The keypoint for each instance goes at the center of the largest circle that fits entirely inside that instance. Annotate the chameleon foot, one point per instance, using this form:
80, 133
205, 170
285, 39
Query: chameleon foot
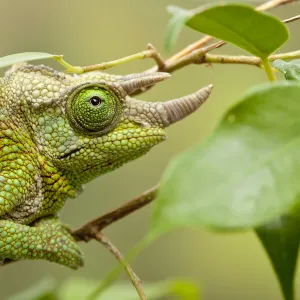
46, 239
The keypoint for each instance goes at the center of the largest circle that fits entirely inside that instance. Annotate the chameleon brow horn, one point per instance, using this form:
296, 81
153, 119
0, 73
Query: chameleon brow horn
176, 109
134, 82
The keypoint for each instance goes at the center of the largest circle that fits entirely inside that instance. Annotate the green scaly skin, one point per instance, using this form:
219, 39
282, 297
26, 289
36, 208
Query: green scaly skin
57, 132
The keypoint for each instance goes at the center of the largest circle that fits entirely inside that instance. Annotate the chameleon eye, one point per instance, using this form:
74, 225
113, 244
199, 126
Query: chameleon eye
95, 100
93, 110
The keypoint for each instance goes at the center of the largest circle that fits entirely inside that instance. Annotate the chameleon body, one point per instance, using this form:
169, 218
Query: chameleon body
59, 131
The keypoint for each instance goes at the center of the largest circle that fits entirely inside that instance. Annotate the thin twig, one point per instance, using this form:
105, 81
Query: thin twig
287, 56
149, 53
196, 57
190, 48
201, 57
90, 229
247, 60
226, 59
157, 57
118, 255
293, 19
274, 3
106, 65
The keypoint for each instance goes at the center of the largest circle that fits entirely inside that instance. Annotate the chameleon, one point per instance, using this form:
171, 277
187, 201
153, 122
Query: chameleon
59, 131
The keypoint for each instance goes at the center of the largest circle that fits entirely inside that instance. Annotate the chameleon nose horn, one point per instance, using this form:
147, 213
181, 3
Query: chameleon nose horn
133, 82
178, 109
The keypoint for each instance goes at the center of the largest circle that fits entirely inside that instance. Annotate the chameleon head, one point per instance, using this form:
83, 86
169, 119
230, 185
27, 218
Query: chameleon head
91, 125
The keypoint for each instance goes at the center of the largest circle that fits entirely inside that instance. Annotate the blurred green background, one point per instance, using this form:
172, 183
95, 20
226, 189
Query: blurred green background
227, 266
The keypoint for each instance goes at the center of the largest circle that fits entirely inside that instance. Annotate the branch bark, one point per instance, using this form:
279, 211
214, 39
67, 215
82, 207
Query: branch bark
92, 228
137, 283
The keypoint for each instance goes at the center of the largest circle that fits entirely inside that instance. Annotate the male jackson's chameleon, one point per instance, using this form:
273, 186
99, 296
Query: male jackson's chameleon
59, 131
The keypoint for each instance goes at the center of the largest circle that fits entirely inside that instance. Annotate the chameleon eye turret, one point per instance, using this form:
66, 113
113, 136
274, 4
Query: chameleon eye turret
59, 131
93, 109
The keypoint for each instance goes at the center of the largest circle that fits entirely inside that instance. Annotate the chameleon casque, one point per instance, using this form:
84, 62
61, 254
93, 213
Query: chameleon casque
59, 131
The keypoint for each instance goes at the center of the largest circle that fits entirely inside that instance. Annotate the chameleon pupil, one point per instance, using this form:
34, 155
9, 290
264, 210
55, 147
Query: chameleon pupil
95, 101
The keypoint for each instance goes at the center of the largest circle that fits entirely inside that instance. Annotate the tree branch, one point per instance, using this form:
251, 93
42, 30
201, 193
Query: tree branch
118, 255
92, 228
274, 3
292, 19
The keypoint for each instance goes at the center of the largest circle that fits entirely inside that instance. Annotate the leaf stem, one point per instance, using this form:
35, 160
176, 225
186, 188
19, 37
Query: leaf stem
113, 63
269, 69
69, 67
149, 53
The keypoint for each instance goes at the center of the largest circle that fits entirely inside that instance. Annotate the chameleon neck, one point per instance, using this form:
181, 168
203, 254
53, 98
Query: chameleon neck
29, 183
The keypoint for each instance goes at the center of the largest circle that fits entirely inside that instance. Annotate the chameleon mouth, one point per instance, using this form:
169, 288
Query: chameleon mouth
103, 166
113, 163
68, 154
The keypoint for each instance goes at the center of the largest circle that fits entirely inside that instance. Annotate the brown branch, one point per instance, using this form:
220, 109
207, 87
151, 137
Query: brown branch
274, 3
190, 48
157, 57
227, 59
118, 255
293, 19
92, 228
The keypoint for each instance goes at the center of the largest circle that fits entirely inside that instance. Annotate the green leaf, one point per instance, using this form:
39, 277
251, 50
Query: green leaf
243, 26
9, 60
246, 174
80, 288
42, 290
175, 25
281, 239
291, 69
238, 24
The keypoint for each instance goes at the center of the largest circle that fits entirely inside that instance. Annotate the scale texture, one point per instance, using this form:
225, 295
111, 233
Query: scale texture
59, 131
